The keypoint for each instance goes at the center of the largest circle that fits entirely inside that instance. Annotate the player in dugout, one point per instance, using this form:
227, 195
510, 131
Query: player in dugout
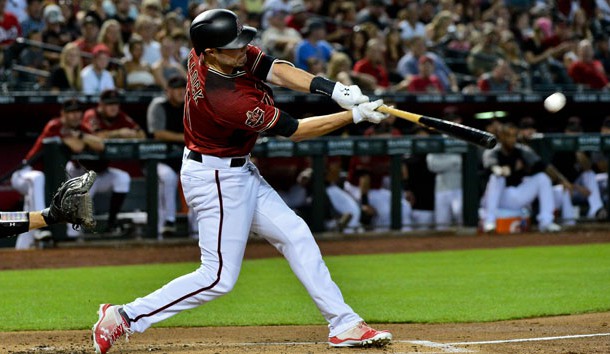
228, 104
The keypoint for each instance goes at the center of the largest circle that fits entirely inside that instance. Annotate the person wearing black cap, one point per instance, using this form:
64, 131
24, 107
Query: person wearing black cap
228, 104
30, 181
107, 121
164, 119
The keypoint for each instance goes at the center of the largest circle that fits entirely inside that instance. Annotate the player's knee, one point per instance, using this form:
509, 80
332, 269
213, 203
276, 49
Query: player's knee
542, 179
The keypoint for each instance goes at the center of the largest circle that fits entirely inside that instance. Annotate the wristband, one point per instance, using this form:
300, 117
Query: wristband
322, 86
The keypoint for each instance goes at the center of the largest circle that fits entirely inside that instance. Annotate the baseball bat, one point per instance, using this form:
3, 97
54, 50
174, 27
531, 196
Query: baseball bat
456, 130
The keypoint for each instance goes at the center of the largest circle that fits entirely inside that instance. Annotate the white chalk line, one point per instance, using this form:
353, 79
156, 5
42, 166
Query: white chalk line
532, 339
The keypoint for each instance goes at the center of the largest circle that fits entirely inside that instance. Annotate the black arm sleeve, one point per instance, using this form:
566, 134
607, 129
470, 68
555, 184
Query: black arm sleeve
262, 69
14, 223
286, 125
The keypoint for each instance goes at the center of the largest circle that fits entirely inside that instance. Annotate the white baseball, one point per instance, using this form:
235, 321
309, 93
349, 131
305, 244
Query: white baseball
555, 102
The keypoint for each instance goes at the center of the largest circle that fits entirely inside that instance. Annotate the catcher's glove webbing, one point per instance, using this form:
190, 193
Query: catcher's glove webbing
72, 203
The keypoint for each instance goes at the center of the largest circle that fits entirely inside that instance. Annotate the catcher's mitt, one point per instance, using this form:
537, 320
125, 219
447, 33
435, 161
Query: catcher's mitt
72, 203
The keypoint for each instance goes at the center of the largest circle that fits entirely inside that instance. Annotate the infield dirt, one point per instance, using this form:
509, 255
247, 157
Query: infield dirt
586, 333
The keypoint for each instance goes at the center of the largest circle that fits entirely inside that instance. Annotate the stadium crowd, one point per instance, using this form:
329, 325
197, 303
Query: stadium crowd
104, 47
382, 45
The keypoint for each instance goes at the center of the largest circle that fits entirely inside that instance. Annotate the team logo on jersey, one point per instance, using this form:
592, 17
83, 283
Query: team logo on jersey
255, 118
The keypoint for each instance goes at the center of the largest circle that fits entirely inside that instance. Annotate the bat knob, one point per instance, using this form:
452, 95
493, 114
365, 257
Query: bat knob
489, 141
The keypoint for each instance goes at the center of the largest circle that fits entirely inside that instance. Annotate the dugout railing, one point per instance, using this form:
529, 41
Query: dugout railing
150, 152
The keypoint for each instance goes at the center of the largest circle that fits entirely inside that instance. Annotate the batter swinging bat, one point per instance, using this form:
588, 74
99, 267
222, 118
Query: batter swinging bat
462, 132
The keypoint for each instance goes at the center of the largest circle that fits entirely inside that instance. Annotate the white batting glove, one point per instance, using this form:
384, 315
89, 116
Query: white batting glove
348, 96
367, 111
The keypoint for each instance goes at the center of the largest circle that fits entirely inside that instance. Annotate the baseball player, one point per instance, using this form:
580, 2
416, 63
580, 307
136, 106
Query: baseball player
71, 203
107, 121
30, 181
227, 105
164, 119
518, 176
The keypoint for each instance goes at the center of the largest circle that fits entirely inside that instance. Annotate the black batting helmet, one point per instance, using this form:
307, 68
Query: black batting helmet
219, 28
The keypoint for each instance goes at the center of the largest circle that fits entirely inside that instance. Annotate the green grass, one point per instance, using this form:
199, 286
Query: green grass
454, 286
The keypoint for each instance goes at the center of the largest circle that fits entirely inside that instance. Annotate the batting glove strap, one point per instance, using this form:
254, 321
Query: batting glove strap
322, 86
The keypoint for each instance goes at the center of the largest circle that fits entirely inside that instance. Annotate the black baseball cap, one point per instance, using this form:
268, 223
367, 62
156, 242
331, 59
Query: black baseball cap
110, 97
72, 105
176, 82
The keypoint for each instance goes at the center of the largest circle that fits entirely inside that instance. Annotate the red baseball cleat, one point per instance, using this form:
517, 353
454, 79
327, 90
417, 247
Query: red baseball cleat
109, 327
361, 335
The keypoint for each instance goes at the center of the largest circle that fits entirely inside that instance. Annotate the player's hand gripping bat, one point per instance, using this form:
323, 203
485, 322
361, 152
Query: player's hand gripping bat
459, 131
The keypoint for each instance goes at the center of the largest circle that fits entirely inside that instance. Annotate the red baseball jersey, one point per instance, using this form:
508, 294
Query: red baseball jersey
224, 114
9, 29
94, 122
53, 128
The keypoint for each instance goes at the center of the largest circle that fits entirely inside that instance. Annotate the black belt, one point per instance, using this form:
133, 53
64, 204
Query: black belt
235, 162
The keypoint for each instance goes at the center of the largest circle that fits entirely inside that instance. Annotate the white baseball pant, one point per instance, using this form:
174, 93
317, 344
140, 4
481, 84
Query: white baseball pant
344, 203
231, 202
168, 190
497, 195
30, 183
447, 208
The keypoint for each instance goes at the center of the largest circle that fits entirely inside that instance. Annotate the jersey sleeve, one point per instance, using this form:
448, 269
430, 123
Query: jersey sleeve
90, 123
258, 63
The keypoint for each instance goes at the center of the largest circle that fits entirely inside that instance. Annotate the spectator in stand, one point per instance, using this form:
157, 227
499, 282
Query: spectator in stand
408, 65
602, 51
16, 7
343, 14
107, 121
110, 35
126, 16
30, 181
167, 67
279, 40
164, 119
34, 20
438, 31
152, 8
95, 76
97, 10
66, 75
136, 74
521, 27
33, 58
393, 52
588, 71
500, 79
356, 44
425, 81
374, 13
10, 28
298, 15
514, 56
71, 23
89, 38
313, 44
409, 24
316, 67
270, 6
517, 177
541, 57
171, 22
146, 28
340, 69
55, 31
579, 26
373, 64
485, 54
